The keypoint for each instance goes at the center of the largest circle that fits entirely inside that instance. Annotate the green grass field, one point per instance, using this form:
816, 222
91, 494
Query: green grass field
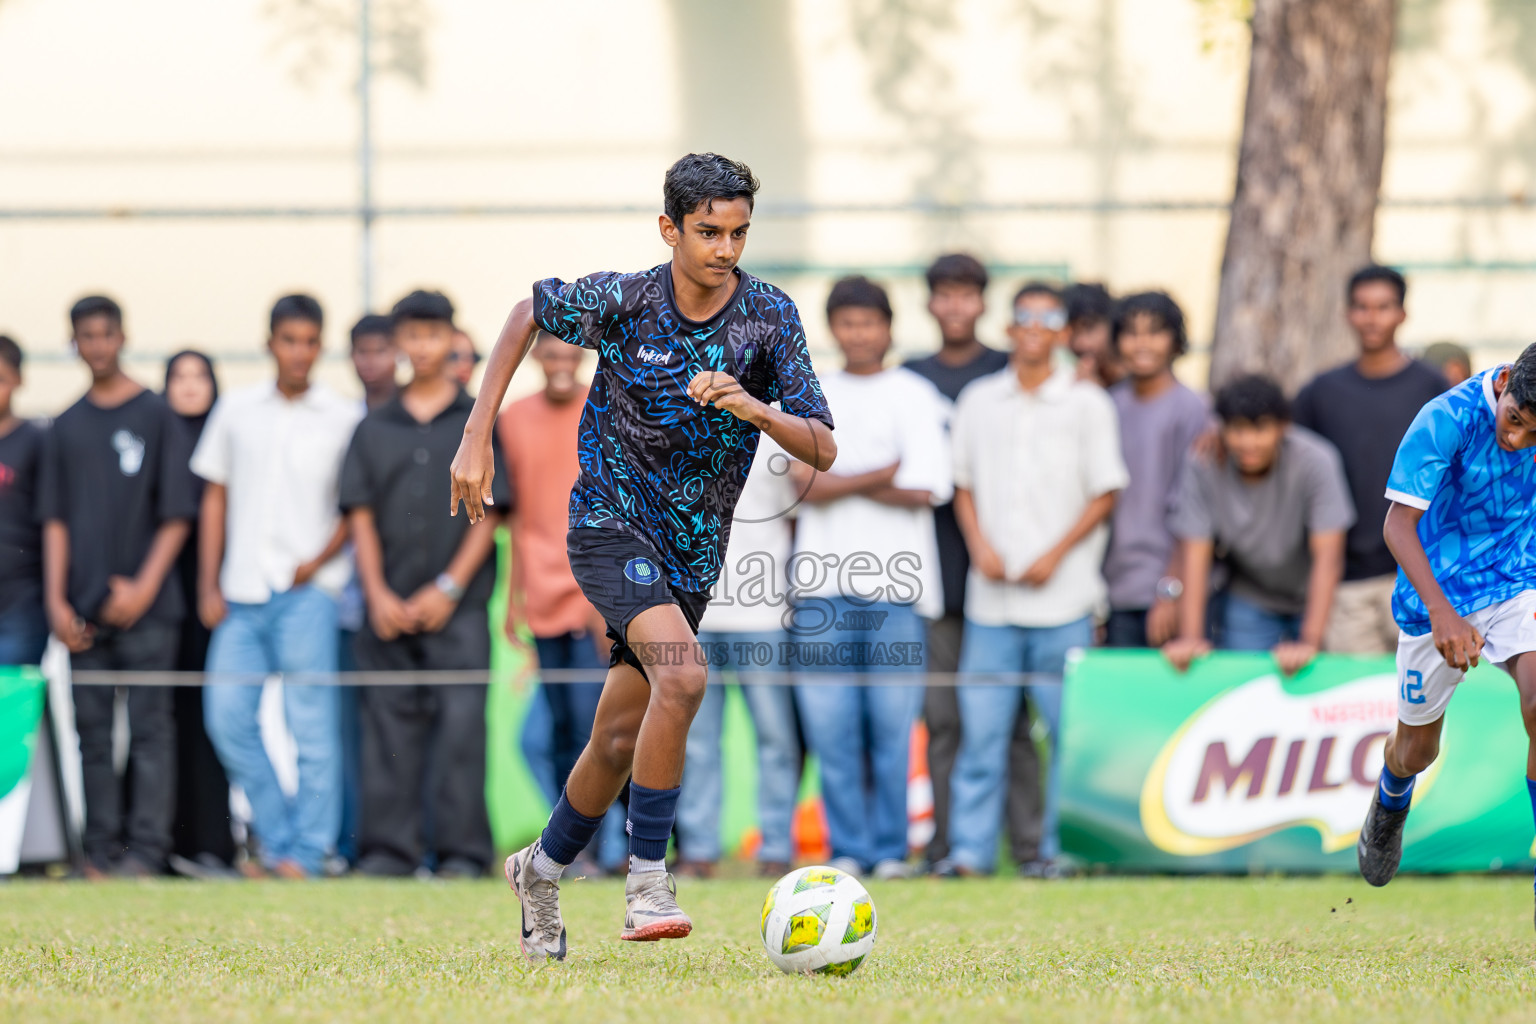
1121, 949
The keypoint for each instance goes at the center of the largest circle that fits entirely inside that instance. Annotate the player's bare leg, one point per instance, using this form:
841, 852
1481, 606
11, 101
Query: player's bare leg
594, 784
674, 663
1410, 750
604, 766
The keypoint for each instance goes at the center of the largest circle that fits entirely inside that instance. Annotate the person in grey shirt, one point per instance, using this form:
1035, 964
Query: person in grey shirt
1159, 420
1272, 509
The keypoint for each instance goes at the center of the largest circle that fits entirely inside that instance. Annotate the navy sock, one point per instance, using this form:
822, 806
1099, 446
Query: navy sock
651, 814
568, 832
1396, 792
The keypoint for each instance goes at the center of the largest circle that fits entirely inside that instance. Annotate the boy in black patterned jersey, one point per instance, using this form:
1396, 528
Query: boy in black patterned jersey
691, 356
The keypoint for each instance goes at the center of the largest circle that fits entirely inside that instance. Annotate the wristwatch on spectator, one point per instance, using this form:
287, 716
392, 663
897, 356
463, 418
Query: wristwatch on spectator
1170, 588
450, 587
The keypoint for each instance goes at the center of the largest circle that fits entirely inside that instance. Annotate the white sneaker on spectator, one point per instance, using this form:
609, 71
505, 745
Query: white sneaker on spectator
543, 932
847, 865
890, 870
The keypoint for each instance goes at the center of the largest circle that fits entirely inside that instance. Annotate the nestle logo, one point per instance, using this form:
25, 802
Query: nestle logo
653, 356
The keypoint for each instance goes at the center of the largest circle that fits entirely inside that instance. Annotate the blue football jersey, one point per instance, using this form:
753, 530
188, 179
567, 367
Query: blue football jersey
1479, 502
653, 461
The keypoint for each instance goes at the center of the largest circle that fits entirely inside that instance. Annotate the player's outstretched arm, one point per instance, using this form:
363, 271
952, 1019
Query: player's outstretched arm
1458, 642
473, 467
806, 439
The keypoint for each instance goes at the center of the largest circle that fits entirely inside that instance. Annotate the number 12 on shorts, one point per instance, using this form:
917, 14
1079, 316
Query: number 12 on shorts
1412, 690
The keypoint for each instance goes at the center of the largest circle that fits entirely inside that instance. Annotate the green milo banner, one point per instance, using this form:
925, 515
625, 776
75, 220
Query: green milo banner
21, 708
1233, 768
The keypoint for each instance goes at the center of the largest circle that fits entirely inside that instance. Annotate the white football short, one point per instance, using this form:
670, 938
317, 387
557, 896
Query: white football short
1425, 682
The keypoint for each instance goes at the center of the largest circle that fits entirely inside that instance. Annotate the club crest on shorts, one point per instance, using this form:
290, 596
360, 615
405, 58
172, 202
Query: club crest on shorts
642, 570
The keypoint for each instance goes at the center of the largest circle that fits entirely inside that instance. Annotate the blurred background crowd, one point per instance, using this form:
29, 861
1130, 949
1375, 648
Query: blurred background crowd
993, 508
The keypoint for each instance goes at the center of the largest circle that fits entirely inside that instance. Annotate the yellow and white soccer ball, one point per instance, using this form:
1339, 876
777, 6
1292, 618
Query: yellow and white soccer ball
818, 920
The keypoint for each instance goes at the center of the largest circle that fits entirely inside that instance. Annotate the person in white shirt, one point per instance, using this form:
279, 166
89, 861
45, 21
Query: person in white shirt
1037, 467
864, 577
272, 568
741, 634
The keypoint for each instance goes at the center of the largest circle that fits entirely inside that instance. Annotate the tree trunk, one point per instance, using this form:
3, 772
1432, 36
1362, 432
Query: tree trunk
1308, 174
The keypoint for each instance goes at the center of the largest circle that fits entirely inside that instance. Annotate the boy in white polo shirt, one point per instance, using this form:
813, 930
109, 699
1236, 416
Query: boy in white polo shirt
1037, 467
864, 577
272, 569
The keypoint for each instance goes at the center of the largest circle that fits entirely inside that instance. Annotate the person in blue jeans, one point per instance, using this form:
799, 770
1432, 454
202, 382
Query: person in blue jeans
864, 578
1038, 466
990, 703
771, 704
556, 730
272, 568
862, 734
1276, 503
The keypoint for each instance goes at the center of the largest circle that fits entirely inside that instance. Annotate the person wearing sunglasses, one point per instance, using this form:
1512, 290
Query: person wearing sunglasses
1037, 467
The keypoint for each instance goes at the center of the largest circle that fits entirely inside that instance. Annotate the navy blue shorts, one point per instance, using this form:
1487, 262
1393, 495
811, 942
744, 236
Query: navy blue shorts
622, 576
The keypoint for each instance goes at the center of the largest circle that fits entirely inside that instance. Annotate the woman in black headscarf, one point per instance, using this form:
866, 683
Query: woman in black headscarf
204, 845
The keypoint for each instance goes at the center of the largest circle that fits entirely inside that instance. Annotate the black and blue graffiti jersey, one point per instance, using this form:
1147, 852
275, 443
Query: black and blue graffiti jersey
653, 461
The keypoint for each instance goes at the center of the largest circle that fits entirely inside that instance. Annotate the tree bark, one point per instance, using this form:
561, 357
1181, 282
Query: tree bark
1308, 174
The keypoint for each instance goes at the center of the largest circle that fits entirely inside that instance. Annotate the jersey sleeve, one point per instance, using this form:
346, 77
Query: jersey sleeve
1329, 506
961, 430
51, 502
179, 492
796, 386
578, 312
1304, 409
1104, 469
1190, 518
210, 459
925, 446
1424, 456
355, 486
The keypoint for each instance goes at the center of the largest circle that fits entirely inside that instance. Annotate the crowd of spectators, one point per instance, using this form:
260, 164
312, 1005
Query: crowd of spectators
990, 508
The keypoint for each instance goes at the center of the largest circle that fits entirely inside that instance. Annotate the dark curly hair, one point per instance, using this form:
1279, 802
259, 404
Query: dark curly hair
858, 292
1522, 380
699, 179
1161, 308
1253, 397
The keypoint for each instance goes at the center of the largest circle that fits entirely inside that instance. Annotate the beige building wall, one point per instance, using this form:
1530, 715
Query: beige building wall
1092, 139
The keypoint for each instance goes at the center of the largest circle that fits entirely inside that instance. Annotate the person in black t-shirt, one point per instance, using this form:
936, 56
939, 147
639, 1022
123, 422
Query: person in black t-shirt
957, 286
23, 626
426, 579
1363, 408
117, 500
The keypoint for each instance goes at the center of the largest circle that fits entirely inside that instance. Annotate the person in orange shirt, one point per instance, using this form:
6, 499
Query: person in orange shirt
538, 437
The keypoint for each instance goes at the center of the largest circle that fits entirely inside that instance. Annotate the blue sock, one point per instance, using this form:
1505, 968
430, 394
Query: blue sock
1396, 793
568, 832
1530, 786
651, 814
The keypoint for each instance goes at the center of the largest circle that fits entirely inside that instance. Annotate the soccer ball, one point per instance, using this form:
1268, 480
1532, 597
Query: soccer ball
818, 921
